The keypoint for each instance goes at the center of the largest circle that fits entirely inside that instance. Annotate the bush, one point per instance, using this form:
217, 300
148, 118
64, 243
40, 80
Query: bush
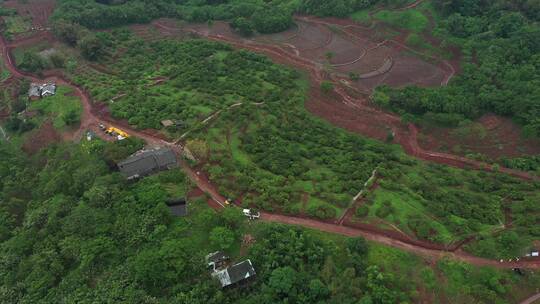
221, 238
421, 227
242, 26
58, 60
362, 211
385, 210
327, 87
272, 19
32, 62
91, 47
322, 212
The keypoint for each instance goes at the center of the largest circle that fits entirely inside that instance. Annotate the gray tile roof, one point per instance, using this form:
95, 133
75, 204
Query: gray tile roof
147, 162
35, 90
178, 207
48, 89
215, 257
236, 273
39, 90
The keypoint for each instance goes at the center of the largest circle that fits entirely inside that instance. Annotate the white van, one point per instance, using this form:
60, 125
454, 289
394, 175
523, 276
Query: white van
252, 214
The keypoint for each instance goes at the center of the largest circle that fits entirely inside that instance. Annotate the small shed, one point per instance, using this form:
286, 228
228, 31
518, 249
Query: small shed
172, 123
216, 260
35, 91
178, 206
167, 123
48, 89
90, 135
235, 273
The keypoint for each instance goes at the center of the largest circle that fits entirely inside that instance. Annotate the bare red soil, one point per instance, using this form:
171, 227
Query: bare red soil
41, 138
38, 10
492, 136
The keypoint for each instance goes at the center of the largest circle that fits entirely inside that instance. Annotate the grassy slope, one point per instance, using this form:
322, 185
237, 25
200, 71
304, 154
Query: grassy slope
412, 19
405, 206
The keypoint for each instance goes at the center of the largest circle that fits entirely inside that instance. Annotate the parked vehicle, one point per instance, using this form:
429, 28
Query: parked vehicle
252, 214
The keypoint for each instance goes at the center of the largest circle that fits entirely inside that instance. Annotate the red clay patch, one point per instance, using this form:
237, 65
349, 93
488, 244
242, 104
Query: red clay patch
40, 139
491, 135
38, 10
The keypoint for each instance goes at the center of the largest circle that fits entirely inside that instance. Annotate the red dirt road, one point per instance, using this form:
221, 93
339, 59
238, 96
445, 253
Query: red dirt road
532, 299
429, 253
217, 202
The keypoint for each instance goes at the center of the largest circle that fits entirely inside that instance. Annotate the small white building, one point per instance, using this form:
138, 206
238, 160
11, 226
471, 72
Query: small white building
41, 90
48, 90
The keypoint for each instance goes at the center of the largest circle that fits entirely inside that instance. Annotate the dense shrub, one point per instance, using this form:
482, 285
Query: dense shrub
385, 210
362, 211
322, 212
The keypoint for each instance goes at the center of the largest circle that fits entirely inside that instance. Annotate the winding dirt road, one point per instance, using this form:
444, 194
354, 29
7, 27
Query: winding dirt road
532, 299
91, 117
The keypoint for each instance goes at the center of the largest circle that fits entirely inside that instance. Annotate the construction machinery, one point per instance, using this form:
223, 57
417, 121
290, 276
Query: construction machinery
112, 131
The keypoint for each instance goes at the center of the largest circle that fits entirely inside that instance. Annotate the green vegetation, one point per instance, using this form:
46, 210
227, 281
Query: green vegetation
337, 8
64, 108
16, 24
39, 57
444, 205
74, 231
17, 105
411, 19
361, 16
407, 213
263, 16
273, 155
201, 78
500, 74
530, 163
4, 72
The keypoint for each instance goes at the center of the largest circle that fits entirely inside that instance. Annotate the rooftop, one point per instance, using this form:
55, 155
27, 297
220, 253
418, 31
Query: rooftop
178, 206
236, 273
147, 162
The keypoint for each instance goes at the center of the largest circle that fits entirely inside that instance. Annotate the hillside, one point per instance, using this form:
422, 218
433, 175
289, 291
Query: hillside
345, 151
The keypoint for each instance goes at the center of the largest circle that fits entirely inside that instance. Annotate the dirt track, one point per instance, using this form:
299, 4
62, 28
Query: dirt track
431, 251
92, 116
532, 299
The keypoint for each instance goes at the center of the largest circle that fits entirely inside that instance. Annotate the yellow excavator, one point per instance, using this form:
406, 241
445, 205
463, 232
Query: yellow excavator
116, 132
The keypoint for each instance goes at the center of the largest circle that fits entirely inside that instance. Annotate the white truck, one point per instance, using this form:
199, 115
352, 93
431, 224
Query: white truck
252, 214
